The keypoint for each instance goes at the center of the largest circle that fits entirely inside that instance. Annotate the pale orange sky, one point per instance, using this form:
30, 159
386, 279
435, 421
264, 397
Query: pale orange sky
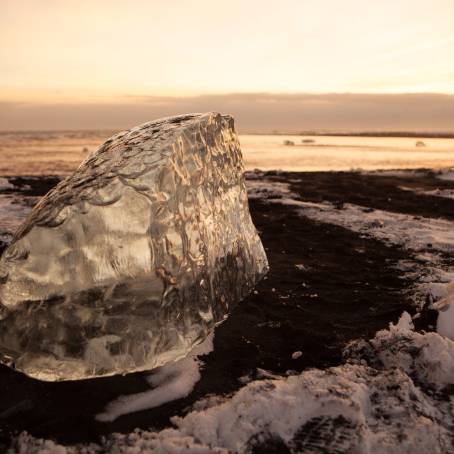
115, 52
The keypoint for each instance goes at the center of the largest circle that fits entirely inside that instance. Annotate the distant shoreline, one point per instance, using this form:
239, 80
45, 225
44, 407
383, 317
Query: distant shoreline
395, 134
418, 135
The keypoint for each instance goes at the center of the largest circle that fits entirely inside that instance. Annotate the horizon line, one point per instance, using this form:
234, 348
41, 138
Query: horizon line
118, 98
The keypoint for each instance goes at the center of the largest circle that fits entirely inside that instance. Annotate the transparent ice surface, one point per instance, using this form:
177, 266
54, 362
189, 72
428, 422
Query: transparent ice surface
132, 260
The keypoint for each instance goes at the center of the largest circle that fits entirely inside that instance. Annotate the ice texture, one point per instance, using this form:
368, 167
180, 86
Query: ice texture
131, 261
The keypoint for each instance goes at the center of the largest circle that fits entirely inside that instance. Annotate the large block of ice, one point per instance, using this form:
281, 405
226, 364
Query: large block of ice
132, 260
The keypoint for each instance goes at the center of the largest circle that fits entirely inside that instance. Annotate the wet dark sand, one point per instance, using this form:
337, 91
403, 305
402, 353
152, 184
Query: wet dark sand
348, 289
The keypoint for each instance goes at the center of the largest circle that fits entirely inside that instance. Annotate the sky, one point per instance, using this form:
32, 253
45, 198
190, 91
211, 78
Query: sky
107, 63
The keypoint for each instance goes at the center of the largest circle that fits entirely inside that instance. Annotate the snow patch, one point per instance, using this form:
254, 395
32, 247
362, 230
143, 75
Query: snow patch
427, 238
403, 173
446, 175
5, 184
404, 324
444, 193
170, 382
429, 357
445, 321
265, 189
411, 232
388, 398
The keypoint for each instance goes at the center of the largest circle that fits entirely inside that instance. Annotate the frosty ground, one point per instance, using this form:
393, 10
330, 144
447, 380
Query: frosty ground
307, 363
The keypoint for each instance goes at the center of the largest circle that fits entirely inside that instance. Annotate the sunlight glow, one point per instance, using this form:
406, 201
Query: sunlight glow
101, 50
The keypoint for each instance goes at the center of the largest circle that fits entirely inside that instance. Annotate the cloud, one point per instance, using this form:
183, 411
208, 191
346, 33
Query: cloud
254, 112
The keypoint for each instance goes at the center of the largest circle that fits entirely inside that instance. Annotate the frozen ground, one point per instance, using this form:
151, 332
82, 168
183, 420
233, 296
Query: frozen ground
429, 240
388, 397
393, 393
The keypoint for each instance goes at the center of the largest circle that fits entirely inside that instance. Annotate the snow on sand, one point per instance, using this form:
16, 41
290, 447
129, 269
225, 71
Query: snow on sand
392, 394
428, 239
387, 398
172, 381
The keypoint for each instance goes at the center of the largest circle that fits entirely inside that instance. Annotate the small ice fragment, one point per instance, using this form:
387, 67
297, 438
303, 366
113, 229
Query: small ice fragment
263, 373
244, 379
405, 323
296, 355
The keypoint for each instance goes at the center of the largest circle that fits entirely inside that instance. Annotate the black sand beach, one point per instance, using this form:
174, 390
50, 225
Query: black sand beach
327, 286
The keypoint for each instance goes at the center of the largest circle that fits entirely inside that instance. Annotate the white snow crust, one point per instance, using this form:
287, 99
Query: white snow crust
387, 398
5, 184
172, 381
446, 175
443, 193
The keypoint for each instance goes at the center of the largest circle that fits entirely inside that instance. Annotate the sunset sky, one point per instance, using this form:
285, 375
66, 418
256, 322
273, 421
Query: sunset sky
58, 56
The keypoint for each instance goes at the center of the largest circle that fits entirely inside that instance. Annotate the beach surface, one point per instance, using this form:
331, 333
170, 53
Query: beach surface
60, 152
309, 360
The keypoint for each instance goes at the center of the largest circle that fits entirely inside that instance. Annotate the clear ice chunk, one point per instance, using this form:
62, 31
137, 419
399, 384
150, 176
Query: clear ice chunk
133, 260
